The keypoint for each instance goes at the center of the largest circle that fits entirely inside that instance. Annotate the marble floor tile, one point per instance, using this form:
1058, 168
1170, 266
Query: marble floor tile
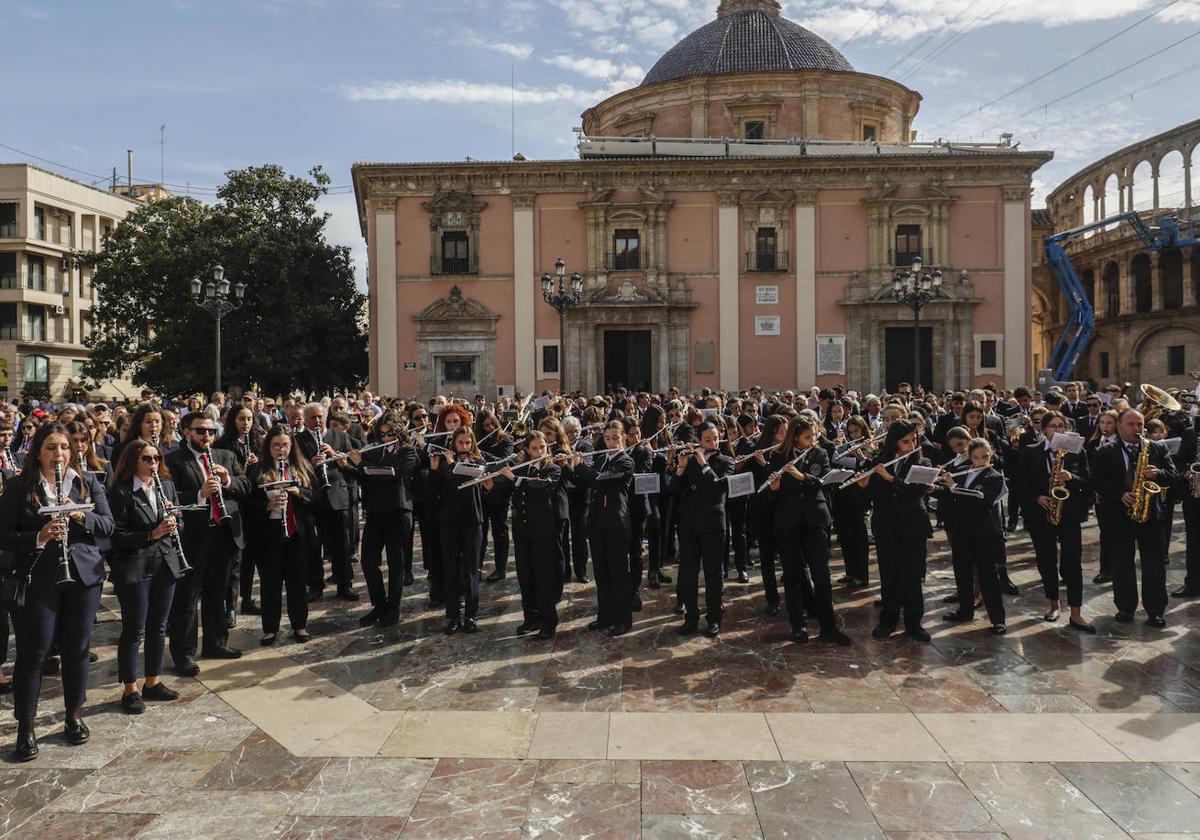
853, 737
85, 826
207, 827
338, 828
700, 827
809, 801
473, 798
462, 735
1187, 774
579, 735
602, 812
259, 763
1018, 737
362, 739
919, 796
1036, 802
1156, 737
365, 787
1041, 703
945, 835
586, 771
1139, 797
695, 787
682, 736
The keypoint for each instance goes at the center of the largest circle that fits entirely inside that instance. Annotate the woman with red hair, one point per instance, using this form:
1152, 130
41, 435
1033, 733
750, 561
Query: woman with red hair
464, 417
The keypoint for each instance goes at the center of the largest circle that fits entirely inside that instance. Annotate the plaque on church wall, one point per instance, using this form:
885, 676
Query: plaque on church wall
766, 295
831, 355
706, 357
410, 365
766, 325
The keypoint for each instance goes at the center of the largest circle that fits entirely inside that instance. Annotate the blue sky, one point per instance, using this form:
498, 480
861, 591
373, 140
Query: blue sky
331, 82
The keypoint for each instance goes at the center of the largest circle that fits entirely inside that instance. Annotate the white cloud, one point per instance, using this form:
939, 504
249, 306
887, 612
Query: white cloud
460, 91
518, 51
598, 68
343, 229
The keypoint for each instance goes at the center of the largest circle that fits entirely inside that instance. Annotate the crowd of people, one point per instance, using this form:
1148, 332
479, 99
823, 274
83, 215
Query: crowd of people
182, 504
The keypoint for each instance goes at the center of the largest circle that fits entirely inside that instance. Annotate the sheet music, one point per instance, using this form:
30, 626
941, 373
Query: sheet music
1067, 442
835, 477
380, 471
740, 484
646, 484
848, 461
469, 470
922, 475
1173, 445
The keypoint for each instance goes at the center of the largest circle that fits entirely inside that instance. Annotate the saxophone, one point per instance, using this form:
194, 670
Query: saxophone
1058, 489
1144, 490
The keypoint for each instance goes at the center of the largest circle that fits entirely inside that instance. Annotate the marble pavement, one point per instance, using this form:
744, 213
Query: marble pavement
403, 732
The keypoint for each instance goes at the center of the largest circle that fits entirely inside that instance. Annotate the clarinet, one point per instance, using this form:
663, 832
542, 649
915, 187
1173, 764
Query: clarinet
222, 513
283, 477
176, 541
324, 465
64, 563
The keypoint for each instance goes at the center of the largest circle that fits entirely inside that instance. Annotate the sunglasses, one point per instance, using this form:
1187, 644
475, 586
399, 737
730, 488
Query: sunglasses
201, 430
150, 459
387, 434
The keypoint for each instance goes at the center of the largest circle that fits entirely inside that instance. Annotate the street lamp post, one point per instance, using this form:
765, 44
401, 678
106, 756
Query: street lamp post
914, 288
214, 298
562, 299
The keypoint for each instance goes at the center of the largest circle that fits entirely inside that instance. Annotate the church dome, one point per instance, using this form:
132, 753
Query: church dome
748, 36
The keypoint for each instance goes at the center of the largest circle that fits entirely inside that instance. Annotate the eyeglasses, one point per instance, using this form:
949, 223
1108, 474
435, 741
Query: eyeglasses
150, 459
387, 434
203, 430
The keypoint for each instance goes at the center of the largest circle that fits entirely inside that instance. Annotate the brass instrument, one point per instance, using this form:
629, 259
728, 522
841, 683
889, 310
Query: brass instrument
1017, 426
1058, 489
1194, 479
1144, 490
1155, 401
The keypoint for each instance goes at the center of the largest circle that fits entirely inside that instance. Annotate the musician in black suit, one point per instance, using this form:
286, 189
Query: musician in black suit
1049, 539
639, 506
1074, 408
242, 436
460, 517
213, 534
331, 504
51, 612
608, 477
144, 565
385, 475
1113, 478
700, 489
1085, 424
802, 526
578, 500
761, 507
1188, 455
497, 449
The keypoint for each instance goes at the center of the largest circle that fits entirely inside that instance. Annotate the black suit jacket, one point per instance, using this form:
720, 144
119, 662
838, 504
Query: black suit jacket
802, 501
533, 503
387, 493
609, 478
188, 476
134, 554
1112, 479
1035, 481
700, 494
969, 516
335, 497
261, 529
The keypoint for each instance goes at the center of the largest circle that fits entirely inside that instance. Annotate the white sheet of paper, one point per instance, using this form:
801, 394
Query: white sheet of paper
645, 484
1173, 445
922, 475
1068, 442
379, 471
741, 484
835, 477
469, 470
539, 403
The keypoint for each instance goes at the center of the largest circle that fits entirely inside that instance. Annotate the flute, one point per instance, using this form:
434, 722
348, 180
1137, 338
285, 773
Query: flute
857, 445
741, 459
859, 476
489, 475
778, 474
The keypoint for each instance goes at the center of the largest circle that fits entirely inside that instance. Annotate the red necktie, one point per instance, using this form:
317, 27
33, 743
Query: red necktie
212, 500
290, 524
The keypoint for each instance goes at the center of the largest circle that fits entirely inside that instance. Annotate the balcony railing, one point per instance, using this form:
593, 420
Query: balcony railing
625, 261
32, 281
905, 259
439, 265
767, 261
8, 332
8, 230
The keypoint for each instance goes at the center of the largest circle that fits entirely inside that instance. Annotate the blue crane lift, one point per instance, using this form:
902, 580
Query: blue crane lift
1167, 232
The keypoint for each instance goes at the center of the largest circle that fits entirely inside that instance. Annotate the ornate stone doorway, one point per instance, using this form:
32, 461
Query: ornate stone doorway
456, 347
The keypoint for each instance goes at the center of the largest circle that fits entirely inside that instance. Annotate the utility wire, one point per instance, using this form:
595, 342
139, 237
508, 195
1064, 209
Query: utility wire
937, 52
933, 34
612, 64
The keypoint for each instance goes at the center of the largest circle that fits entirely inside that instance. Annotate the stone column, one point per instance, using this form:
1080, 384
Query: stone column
1189, 280
383, 282
524, 350
1016, 286
806, 288
729, 266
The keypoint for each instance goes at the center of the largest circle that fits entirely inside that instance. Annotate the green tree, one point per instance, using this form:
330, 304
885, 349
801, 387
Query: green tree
300, 326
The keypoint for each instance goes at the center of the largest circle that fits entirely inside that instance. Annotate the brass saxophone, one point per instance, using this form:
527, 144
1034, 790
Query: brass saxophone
1194, 479
1144, 490
1058, 489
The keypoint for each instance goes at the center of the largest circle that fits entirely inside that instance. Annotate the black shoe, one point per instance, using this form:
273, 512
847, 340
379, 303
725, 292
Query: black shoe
957, 617
1052, 616
1185, 592
1102, 578
494, 577
882, 631
581, 578
1156, 621
268, 639
545, 633
1082, 628
662, 578
132, 704
251, 607
688, 628
997, 629
844, 579
653, 582
1008, 587
743, 576
230, 619
77, 731
220, 652
159, 692
52, 666
27, 747
345, 593
469, 626
950, 599
858, 584
93, 657
408, 579
453, 627
773, 608
800, 635
187, 667
1123, 617
679, 608
314, 595
390, 617
835, 635
637, 602
598, 625
618, 630
330, 579
713, 629
525, 628
920, 634
373, 615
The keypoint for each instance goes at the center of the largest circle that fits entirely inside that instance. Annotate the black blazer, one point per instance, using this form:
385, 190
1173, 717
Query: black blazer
20, 523
609, 478
134, 554
452, 506
335, 497
1034, 475
261, 529
533, 503
643, 462
898, 505
1112, 479
387, 493
497, 451
700, 493
189, 478
969, 516
802, 501
562, 504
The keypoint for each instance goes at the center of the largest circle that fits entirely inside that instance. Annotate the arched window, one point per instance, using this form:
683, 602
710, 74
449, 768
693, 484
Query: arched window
1112, 290
1143, 293
1170, 273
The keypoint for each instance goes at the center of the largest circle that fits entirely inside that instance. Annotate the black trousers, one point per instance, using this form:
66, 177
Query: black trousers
1191, 524
50, 616
803, 551
284, 562
670, 530
850, 523
1058, 546
460, 553
653, 530
564, 553
199, 602
975, 555
1105, 544
241, 580
763, 528
390, 530
331, 541
145, 608
353, 521
637, 528
1128, 539
701, 551
737, 512
431, 552
610, 565
5, 621
538, 576
495, 519
901, 557
575, 554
